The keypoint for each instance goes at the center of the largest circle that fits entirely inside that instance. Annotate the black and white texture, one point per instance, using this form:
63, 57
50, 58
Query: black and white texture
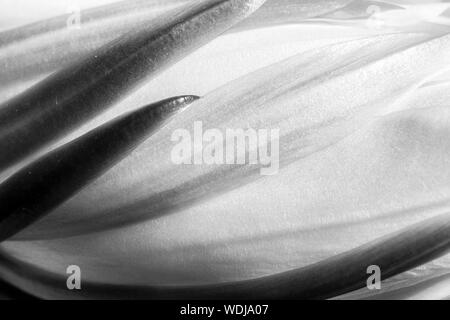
95, 95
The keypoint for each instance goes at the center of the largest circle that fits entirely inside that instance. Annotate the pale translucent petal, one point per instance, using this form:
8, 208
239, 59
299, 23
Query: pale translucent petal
58, 45
395, 253
392, 15
33, 11
229, 57
313, 100
383, 178
433, 94
337, 188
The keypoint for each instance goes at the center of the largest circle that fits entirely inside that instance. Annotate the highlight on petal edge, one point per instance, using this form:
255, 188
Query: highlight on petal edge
286, 150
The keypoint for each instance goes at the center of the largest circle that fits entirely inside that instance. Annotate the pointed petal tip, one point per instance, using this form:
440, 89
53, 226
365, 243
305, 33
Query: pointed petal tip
187, 99
112, 141
173, 105
58, 105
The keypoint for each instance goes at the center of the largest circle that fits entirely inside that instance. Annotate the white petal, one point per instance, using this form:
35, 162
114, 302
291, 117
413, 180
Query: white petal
228, 57
383, 178
309, 98
35, 53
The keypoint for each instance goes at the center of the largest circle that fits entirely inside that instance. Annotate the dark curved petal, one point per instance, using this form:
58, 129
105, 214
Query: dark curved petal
34, 50
90, 15
9, 292
340, 274
75, 94
297, 96
46, 183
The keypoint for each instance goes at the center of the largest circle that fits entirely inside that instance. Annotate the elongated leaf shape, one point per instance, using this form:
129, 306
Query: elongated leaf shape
87, 16
71, 96
46, 183
36, 49
368, 180
309, 98
383, 178
226, 58
276, 11
343, 273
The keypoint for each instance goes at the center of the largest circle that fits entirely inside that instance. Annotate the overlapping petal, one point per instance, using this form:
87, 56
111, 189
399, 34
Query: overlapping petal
28, 52
310, 98
363, 153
